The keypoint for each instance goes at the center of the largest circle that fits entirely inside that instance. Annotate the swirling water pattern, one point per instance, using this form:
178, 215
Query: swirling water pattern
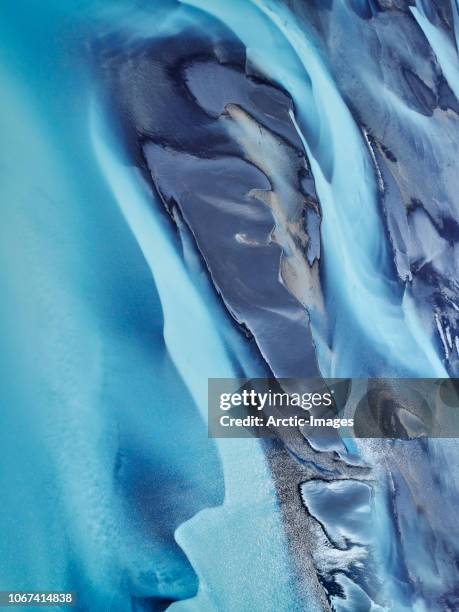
215, 188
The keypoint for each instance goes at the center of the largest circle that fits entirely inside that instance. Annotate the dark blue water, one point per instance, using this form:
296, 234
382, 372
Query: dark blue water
216, 189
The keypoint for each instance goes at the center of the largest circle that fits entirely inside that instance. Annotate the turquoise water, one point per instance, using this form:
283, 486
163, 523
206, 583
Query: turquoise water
104, 441
111, 327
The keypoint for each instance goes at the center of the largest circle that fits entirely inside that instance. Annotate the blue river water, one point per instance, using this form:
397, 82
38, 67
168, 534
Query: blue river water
112, 323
